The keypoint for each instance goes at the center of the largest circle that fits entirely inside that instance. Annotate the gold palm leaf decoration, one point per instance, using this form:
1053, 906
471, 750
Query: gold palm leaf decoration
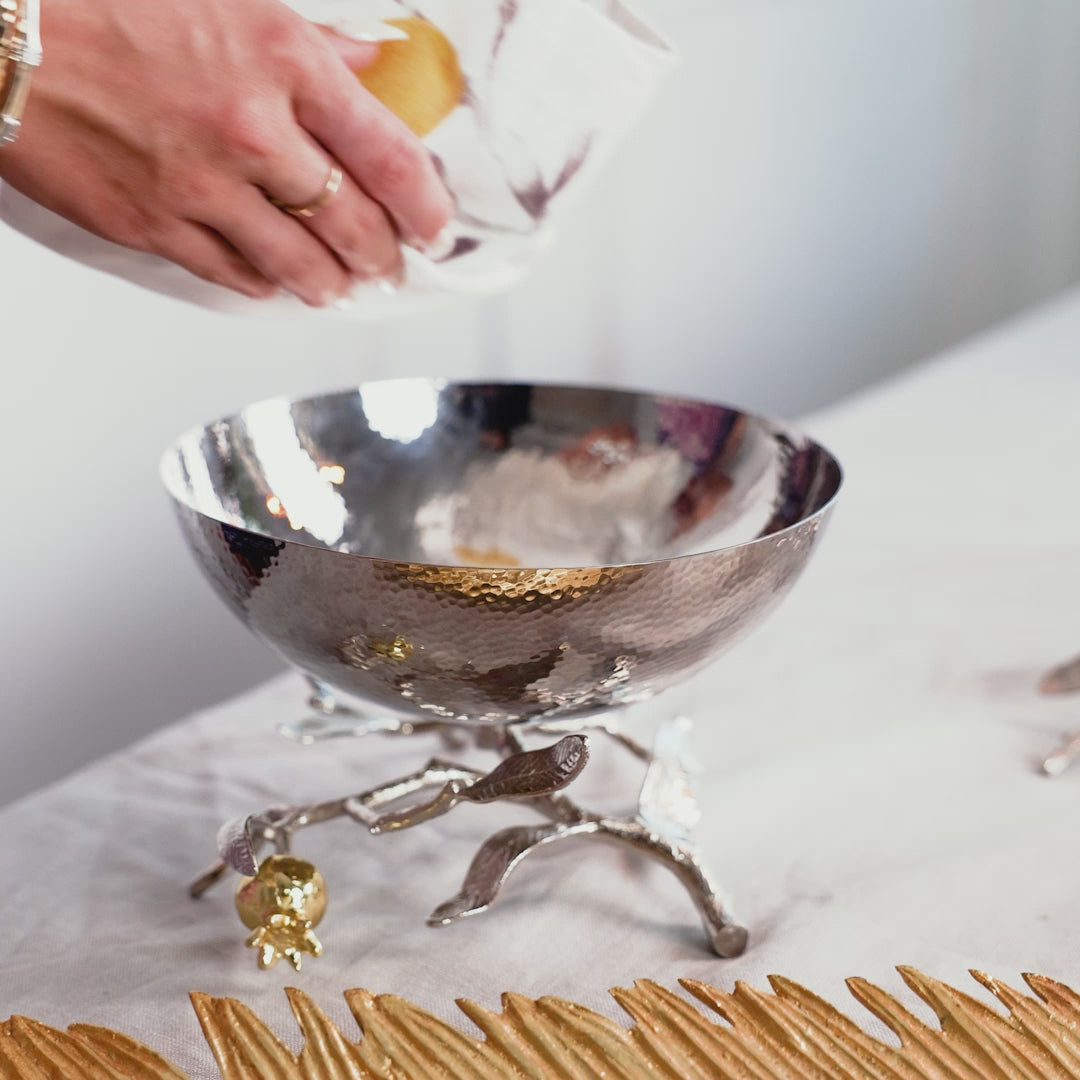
788, 1034
33, 1051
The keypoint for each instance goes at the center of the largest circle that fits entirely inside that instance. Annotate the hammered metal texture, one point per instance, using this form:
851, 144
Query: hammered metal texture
488, 554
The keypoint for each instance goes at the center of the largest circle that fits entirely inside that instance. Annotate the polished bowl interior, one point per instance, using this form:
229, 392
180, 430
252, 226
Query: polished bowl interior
493, 553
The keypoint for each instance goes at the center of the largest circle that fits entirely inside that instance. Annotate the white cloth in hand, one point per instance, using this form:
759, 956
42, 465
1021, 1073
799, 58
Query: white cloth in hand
552, 86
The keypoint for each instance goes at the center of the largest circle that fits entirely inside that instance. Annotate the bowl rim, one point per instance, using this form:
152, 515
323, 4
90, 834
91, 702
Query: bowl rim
442, 383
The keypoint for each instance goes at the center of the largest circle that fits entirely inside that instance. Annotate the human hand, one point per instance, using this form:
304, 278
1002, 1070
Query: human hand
165, 128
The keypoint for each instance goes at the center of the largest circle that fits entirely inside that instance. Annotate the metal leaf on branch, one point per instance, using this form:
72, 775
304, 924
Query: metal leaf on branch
526, 775
490, 868
237, 847
667, 802
534, 773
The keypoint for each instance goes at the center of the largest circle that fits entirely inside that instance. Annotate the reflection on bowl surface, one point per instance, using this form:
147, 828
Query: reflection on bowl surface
488, 553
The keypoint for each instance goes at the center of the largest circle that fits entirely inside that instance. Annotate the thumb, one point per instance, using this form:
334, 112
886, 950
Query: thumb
356, 55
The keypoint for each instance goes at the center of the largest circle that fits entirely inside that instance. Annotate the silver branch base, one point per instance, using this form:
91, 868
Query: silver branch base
660, 829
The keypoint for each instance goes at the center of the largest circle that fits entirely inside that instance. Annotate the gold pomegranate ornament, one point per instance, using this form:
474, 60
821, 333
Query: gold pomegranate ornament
282, 904
419, 79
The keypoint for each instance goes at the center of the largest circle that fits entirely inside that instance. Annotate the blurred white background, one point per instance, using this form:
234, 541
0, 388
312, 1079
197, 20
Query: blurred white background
826, 191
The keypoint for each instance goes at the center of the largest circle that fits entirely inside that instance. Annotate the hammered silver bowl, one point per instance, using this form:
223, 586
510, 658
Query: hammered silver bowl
487, 554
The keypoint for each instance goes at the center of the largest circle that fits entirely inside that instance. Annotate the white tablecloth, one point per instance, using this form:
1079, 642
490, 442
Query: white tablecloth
870, 789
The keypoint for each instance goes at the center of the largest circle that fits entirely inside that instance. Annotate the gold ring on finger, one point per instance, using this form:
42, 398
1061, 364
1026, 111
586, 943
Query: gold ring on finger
309, 210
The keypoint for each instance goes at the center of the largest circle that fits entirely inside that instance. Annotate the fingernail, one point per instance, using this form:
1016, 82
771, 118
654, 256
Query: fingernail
374, 35
438, 249
387, 286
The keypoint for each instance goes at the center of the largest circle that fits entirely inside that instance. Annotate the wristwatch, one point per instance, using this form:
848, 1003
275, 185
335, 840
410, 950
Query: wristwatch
20, 53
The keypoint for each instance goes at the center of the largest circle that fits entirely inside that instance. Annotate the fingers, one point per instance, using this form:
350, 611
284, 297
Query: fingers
352, 225
356, 55
380, 153
208, 256
280, 248
360, 234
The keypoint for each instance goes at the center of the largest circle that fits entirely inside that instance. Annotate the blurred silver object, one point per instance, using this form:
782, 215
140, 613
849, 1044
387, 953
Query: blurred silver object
504, 558
1062, 680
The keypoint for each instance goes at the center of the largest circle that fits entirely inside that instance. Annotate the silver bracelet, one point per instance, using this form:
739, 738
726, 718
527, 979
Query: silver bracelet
20, 53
